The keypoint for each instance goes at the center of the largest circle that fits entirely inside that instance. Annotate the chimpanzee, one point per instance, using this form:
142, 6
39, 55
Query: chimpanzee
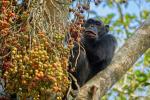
94, 53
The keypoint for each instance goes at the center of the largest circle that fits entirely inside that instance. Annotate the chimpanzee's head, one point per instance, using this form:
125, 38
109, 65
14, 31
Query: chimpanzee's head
94, 29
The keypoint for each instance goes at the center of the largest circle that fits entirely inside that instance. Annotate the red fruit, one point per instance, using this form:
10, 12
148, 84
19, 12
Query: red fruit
23, 29
4, 98
5, 3
12, 14
4, 32
7, 65
36, 78
33, 84
4, 24
77, 14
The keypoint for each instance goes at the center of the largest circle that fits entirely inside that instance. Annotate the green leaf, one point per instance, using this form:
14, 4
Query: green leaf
110, 16
137, 72
146, 84
142, 78
145, 14
147, 0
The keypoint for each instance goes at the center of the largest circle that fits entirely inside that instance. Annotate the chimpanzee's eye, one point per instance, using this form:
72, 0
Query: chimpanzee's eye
90, 21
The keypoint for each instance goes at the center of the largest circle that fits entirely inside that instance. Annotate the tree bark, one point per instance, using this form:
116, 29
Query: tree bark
134, 47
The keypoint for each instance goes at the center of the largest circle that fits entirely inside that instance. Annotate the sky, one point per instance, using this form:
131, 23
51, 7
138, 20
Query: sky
132, 8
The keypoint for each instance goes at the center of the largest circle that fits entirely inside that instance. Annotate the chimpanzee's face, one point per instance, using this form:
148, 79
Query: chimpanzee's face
94, 29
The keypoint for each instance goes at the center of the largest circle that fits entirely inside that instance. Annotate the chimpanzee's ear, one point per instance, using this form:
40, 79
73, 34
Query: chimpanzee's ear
107, 28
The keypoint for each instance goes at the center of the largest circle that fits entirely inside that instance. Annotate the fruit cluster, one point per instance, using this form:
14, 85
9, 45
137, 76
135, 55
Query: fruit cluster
32, 64
31, 71
76, 28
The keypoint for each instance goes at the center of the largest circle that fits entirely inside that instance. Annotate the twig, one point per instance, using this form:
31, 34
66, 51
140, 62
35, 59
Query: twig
55, 6
74, 79
77, 55
59, 2
1, 57
69, 90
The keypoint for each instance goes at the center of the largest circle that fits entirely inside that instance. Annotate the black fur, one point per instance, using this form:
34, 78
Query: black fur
96, 51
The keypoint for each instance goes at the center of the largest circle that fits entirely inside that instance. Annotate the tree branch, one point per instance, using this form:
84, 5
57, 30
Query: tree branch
122, 61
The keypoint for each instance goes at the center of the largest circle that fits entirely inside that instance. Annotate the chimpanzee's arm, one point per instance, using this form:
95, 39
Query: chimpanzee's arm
105, 47
82, 68
82, 64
